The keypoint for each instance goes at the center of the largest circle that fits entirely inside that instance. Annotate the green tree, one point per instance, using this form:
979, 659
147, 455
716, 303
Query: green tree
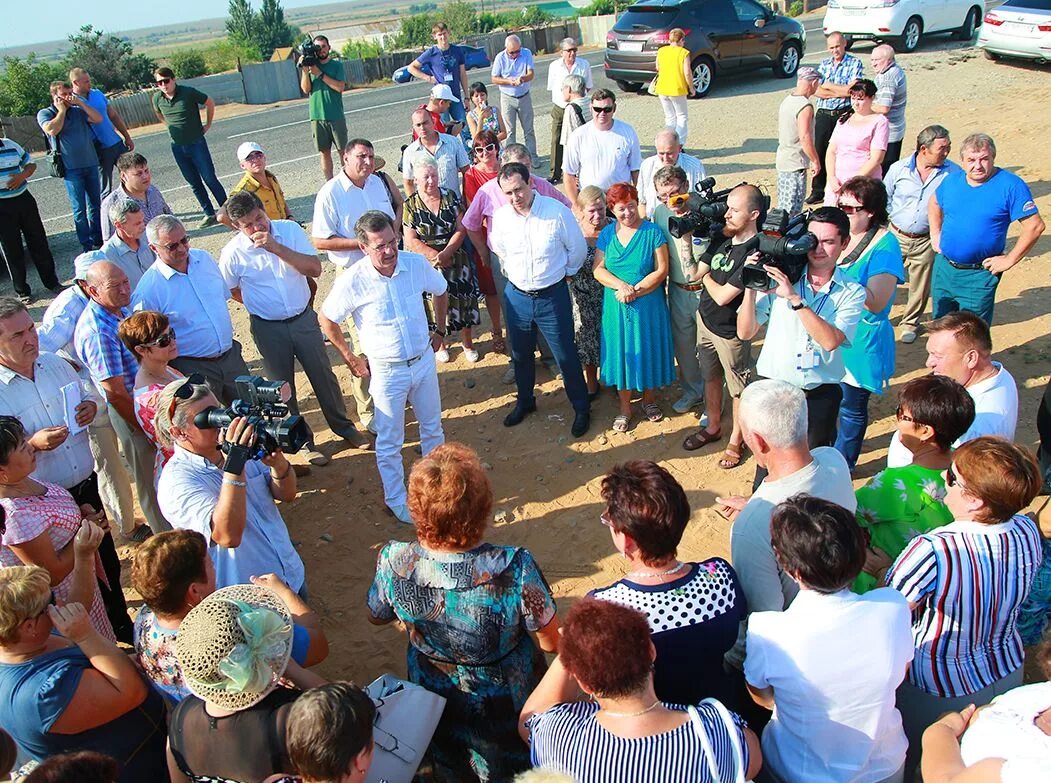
24, 85
415, 32
271, 29
360, 50
240, 24
462, 18
224, 55
188, 63
110, 60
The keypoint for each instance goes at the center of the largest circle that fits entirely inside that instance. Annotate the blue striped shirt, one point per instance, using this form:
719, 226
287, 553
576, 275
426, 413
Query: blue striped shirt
13, 161
100, 349
967, 581
568, 738
848, 71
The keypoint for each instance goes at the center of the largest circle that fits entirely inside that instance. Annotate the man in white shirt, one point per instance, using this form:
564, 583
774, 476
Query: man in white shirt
539, 245
559, 69
384, 296
604, 151
266, 266
187, 286
447, 150
127, 246
959, 346
669, 153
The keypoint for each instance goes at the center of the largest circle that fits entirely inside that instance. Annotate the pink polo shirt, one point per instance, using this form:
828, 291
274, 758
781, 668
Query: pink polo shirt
490, 198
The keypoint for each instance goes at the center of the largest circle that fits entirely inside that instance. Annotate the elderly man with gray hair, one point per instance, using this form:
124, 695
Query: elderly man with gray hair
446, 150
796, 152
890, 99
512, 72
127, 246
669, 152
568, 64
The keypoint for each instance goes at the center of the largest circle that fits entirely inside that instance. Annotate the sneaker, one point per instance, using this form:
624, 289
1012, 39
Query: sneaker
401, 513
686, 402
26, 299
442, 356
471, 355
508, 376
208, 221
908, 336
315, 457
139, 534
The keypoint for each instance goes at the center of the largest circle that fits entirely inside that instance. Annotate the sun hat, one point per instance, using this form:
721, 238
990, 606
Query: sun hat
807, 72
83, 262
246, 149
442, 92
234, 646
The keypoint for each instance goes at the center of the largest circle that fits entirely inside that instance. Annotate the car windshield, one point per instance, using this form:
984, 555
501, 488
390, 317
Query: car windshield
1036, 5
642, 18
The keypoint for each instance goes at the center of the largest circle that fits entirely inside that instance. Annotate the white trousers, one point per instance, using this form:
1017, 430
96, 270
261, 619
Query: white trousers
675, 114
391, 386
114, 481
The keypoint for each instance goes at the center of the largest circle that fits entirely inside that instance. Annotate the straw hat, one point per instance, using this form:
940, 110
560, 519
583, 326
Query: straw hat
234, 646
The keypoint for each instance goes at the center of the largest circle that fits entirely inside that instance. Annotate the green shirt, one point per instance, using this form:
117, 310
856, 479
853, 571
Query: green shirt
182, 114
326, 103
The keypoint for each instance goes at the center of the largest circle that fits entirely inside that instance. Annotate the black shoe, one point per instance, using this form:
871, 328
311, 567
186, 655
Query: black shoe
57, 288
519, 413
555, 180
581, 423
815, 198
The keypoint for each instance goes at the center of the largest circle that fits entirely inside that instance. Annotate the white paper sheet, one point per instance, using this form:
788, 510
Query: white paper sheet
71, 398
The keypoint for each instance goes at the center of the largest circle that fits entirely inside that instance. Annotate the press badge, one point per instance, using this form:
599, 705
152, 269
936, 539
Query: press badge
808, 359
448, 77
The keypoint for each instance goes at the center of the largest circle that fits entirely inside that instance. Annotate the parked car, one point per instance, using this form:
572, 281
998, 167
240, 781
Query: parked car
1018, 28
902, 23
722, 36
474, 57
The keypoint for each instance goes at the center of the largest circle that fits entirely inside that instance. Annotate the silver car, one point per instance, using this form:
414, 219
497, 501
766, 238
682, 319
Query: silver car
1018, 28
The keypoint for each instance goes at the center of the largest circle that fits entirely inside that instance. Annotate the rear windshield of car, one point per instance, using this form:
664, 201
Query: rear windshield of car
1036, 5
645, 18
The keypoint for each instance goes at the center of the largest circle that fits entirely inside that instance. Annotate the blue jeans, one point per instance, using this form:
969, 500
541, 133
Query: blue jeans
853, 421
82, 187
552, 314
955, 289
195, 163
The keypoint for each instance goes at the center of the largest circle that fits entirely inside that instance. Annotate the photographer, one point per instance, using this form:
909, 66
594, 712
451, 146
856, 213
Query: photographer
808, 322
203, 488
321, 78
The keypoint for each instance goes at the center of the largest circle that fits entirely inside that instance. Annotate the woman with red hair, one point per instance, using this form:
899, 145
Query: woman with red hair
631, 261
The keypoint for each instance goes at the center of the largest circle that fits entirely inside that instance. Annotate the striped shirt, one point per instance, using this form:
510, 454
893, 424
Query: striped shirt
848, 71
13, 160
568, 738
967, 581
101, 350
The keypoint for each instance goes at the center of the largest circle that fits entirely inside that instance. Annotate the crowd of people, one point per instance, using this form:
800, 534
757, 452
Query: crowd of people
849, 637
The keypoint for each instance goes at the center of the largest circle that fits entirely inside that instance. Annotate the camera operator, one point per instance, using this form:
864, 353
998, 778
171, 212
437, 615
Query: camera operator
232, 505
324, 84
808, 322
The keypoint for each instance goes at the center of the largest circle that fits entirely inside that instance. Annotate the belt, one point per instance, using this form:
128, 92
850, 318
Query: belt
218, 358
539, 291
400, 363
832, 111
909, 234
282, 320
954, 265
690, 286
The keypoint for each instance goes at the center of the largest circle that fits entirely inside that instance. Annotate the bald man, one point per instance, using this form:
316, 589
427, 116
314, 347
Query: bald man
838, 72
112, 136
669, 152
890, 99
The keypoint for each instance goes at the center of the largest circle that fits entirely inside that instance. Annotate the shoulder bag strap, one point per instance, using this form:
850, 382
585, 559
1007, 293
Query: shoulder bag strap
731, 731
863, 245
706, 744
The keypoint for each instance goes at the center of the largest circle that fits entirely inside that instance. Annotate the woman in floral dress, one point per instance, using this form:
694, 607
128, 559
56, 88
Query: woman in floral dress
586, 290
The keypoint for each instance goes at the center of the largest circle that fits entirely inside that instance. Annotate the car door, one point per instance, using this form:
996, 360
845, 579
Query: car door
937, 15
758, 44
718, 20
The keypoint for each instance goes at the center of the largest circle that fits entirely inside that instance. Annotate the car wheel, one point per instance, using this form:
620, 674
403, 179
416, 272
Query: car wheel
703, 76
849, 43
629, 86
787, 62
910, 36
970, 24
990, 55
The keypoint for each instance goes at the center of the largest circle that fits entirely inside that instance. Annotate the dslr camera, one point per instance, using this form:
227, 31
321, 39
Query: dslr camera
309, 54
783, 243
706, 211
264, 404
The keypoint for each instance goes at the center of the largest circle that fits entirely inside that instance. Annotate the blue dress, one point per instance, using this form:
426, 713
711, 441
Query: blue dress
636, 350
869, 359
468, 615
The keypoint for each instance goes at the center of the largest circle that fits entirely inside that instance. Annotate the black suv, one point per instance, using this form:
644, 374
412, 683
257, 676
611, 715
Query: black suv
722, 36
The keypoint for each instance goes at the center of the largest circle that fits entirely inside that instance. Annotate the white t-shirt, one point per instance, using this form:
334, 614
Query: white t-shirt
834, 662
338, 206
995, 413
1005, 730
603, 158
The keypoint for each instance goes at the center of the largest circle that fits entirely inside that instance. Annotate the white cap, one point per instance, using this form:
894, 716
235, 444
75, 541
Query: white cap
82, 262
441, 92
247, 149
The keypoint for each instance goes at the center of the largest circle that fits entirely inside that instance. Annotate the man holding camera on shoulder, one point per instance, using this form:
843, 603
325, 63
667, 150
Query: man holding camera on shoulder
808, 321
212, 486
322, 78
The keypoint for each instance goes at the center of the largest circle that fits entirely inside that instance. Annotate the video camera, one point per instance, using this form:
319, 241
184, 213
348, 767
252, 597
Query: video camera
309, 54
707, 208
265, 405
783, 243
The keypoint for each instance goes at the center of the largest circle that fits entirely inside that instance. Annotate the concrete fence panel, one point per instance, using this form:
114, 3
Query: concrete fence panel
220, 87
270, 82
136, 108
593, 29
24, 132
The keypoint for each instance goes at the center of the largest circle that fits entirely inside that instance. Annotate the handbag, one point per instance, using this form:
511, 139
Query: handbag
406, 717
706, 744
56, 167
651, 88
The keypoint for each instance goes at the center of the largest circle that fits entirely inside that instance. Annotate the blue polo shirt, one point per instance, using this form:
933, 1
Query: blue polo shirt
976, 217
76, 141
104, 131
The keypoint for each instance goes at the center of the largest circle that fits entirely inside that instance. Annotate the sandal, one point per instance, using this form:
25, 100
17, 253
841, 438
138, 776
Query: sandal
700, 439
731, 456
652, 411
620, 423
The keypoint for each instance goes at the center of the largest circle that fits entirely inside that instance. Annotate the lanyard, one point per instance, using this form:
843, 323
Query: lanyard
802, 295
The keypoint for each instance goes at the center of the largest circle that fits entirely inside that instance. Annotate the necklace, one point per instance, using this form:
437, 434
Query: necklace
638, 574
612, 714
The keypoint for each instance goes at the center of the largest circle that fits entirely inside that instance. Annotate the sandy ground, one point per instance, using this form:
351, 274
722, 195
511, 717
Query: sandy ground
546, 484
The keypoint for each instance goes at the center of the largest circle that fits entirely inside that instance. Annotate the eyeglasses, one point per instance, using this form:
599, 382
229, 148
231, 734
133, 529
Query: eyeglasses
570, 50
392, 245
513, 52
952, 480
164, 340
486, 148
50, 602
605, 520
185, 391
850, 209
900, 413
161, 82
170, 246
603, 109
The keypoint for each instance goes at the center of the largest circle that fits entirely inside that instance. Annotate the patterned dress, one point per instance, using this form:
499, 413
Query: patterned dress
487, 118
587, 311
145, 399
57, 514
468, 615
435, 229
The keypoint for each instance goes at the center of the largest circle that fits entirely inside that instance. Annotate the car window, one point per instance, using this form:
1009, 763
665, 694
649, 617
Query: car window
715, 11
1036, 5
748, 11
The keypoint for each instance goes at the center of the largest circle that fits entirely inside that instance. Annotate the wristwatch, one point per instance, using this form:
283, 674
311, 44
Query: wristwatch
801, 306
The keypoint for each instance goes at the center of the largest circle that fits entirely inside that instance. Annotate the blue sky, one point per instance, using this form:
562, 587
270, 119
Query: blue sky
26, 22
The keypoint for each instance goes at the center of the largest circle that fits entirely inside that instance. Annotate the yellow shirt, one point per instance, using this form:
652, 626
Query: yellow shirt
273, 200
671, 80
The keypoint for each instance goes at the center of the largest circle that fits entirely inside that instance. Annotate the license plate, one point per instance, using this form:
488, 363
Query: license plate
1019, 27
854, 11
631, 46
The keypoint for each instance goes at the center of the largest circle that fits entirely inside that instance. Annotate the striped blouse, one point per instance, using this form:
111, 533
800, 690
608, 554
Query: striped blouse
967, 580
569, 739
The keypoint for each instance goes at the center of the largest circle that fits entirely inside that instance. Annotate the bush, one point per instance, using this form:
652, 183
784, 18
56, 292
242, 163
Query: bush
603, 7
796, 8
24, 85
360, 50
223, 56
109, 59
188, 63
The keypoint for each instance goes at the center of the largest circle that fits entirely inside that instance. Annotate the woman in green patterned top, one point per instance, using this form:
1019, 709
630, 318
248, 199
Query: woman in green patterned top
899, 504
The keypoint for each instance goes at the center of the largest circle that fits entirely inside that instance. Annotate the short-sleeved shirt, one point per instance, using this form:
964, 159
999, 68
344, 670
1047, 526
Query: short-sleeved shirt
648, 191
152, 205
847, 71
133, 262
445, 65
508, 67
182, 113
557, 73
603, 158
908, 196
975, 218
76, 141
726, 263
104, 131
338, 206
1007, 729
13, 161
101, 350
449, 153
325, 103
891, 92
273, 198
271, 289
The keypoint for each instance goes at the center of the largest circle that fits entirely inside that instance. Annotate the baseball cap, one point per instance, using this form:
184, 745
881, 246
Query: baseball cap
247, 149
82, 262
809, 73
441, 92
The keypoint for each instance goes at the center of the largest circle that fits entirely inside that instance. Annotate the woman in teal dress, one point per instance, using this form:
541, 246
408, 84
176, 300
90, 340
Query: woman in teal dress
471, 610
872, 258
631, 261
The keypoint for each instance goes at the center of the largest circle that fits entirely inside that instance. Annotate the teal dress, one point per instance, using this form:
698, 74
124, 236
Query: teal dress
869, 359
636, 347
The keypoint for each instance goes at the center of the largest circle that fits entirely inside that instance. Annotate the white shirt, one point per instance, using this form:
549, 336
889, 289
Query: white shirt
270, 288
1005, 730
195, 304
450, 155
995, 413
834, 662
388, 311
133, 262
338, 206
37, 403
557, 73
60, 322
648, 191
603, 158
540, 248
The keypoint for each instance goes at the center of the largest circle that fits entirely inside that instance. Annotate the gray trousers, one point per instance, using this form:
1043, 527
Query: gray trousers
280, 343
114, 481
140, 454
683, 307
520, 109
218, 373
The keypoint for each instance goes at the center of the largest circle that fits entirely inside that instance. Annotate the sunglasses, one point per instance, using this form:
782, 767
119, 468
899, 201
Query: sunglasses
50, 602
185, 391
161, 82
170, 246
486, 148
952, 480
603, 109
164, 340
514, 52
850, 209
570, 50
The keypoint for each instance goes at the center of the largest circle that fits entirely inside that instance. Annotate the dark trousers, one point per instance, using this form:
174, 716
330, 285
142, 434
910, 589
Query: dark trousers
824, 124
87, 491
892, 155
550, 312
822, 409
195, 163
557, 115
20, 218
107, 160
219, 373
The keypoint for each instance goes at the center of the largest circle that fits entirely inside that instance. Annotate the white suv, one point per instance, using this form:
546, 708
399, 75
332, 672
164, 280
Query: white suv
904, 21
